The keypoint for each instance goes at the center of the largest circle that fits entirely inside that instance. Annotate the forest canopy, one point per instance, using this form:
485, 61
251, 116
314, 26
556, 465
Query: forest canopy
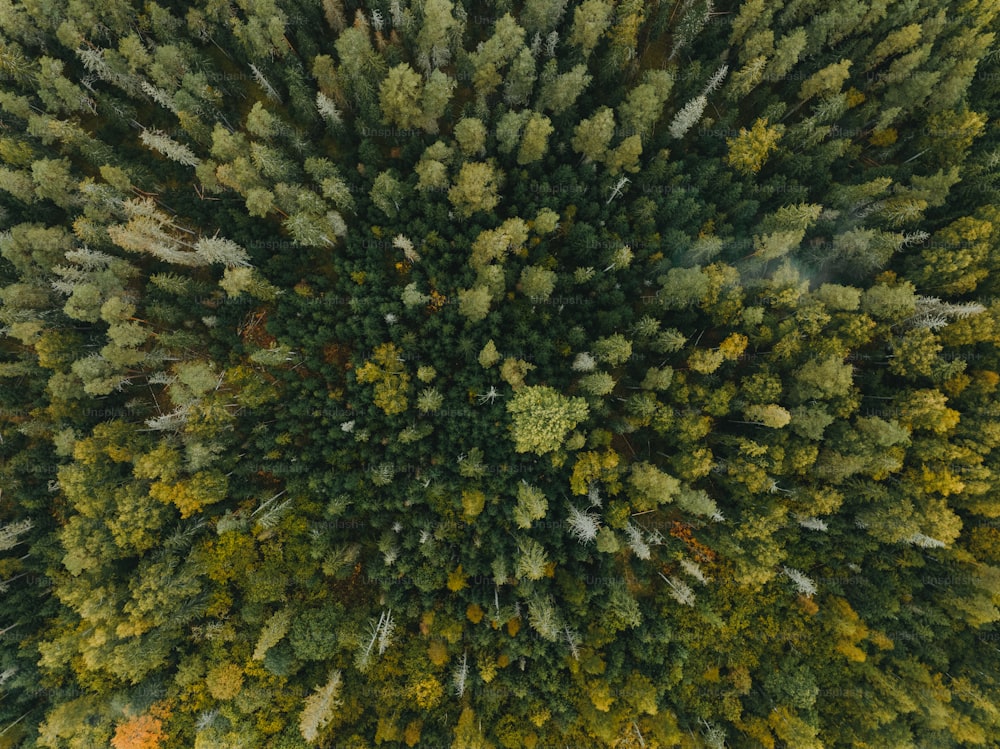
499, 374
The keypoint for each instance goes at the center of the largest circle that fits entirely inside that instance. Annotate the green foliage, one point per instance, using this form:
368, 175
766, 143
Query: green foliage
590, 20
399, 96
489, 355
474, 189
471, 136
651, 487
593, 135
474, 304
537, 283
534, 140
531, 505
542, 418
318, 707
750, 149
703, 445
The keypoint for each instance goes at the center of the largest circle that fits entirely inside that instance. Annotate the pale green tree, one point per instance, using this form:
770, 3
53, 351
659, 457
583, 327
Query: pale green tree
399, 96
651, 487
688, 116
262, 123
560, 91
531, 560
509, 130
438, 28
513, 371
535, 140
218, 250
159, 141
493, 54
592, 136
360, 65
544, 618
597, 383
614, 349
438, 91
657, 378
590, 20
429, 400
54, 181
319, 706
827, 81
823, 378
787, 52
413, 297
475, 188
537, 283
470, 132
625, 157
768, 415
489, 355
432, 175
474, 303
273, 632
531, 505
546, 222
387, 193
751, 148
520, 80
542, 16
542, 417
644, 104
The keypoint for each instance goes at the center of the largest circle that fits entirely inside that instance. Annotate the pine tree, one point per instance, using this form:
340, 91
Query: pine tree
803, 584
531, 505
688, 116
520, 79
531, 560
387, 194
508, 131
272, 633
223, 251
583, 526
598, 384
319, 707
9, 534
439, 26
827, 81
644, 104
544, 618
328, 109
159, 141
679, 590
542, 16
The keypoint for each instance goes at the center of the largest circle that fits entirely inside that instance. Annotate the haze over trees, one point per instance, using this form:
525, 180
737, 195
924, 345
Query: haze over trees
499, 374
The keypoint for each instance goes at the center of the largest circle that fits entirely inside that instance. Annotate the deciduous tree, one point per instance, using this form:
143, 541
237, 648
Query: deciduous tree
542, 418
